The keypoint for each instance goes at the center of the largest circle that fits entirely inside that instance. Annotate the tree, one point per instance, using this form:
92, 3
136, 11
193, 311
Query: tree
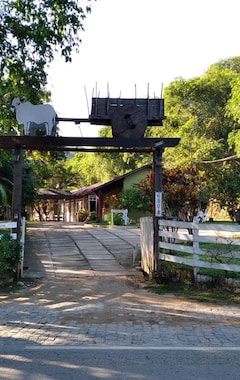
184, 191
198, 111
224, 184
119, 164
29, 186
31, 32
204, 112
133, 200
51, 170
100, 167
6, 184
89, 168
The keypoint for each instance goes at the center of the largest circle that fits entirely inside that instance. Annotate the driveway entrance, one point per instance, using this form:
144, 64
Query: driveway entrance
88, 294
72, 250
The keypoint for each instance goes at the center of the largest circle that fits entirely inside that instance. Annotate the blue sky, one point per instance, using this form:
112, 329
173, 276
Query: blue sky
136, 42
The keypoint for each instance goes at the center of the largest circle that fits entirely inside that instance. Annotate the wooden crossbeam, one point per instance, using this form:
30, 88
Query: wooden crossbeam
47, 143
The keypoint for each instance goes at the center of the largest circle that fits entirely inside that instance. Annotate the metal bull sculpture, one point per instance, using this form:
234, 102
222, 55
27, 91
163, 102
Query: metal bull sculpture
36, 119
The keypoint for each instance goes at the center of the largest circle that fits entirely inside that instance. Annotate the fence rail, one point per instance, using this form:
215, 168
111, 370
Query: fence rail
9, 226
179, 239
182, 243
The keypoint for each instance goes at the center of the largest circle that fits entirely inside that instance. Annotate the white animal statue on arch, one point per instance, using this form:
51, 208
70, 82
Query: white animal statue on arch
35, 118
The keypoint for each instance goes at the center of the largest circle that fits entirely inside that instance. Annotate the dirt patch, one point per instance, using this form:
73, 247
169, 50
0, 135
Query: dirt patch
120, 299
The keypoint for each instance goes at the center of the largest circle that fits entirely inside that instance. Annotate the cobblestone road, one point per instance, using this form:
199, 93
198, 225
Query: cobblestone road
89, 294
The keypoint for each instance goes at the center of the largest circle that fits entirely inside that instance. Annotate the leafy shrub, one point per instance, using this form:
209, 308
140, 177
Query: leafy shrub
10, 253
93, 215
83, 215
118, 220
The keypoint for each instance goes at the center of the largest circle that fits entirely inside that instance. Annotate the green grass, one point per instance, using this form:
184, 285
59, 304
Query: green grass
193, 293
223, 222
212, 272
220, 259
106, 224
214, 254
98, 223
219, 273
220, 247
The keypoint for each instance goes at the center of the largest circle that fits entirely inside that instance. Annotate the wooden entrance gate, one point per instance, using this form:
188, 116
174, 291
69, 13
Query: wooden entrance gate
128, 118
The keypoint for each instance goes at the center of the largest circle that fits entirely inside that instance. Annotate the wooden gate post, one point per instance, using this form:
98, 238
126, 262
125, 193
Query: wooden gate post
159, 147
17, 188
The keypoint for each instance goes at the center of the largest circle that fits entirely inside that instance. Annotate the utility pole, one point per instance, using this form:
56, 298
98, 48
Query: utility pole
159, 148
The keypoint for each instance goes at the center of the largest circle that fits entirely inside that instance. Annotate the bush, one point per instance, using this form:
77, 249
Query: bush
83, 215
10, 253
118, 220
93, 215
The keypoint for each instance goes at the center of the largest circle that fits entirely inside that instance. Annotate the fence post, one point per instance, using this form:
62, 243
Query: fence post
147, 246
22, 240
195, 248
17, 188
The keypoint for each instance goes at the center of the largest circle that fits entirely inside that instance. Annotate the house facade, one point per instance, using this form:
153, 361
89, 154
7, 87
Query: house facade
97, 199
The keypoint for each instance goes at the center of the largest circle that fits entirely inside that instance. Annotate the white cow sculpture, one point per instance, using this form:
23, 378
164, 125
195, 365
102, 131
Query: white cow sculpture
40, 117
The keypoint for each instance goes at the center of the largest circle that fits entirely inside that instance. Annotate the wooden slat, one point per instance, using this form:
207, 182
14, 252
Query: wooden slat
176, 235
176, 247
176, 259
177, 224
198, 263
4, 225
218, 240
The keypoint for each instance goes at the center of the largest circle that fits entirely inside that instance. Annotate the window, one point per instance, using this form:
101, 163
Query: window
92, 203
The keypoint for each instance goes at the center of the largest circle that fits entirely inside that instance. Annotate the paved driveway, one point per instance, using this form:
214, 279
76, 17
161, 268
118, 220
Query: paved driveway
89, 295
73, 250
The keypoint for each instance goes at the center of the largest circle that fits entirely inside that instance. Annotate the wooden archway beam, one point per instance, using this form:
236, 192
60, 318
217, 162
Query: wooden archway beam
46, 143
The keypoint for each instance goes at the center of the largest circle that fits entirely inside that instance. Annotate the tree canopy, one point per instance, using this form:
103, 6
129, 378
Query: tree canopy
31, 32
204, 112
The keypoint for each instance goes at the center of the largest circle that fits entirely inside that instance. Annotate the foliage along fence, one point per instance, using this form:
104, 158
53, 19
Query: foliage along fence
13, 225
198, 245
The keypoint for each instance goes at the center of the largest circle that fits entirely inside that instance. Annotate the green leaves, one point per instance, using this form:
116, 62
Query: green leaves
31, 31
10, 252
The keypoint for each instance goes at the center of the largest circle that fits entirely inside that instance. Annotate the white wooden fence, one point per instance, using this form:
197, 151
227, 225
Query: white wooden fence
12, 225
180, 242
